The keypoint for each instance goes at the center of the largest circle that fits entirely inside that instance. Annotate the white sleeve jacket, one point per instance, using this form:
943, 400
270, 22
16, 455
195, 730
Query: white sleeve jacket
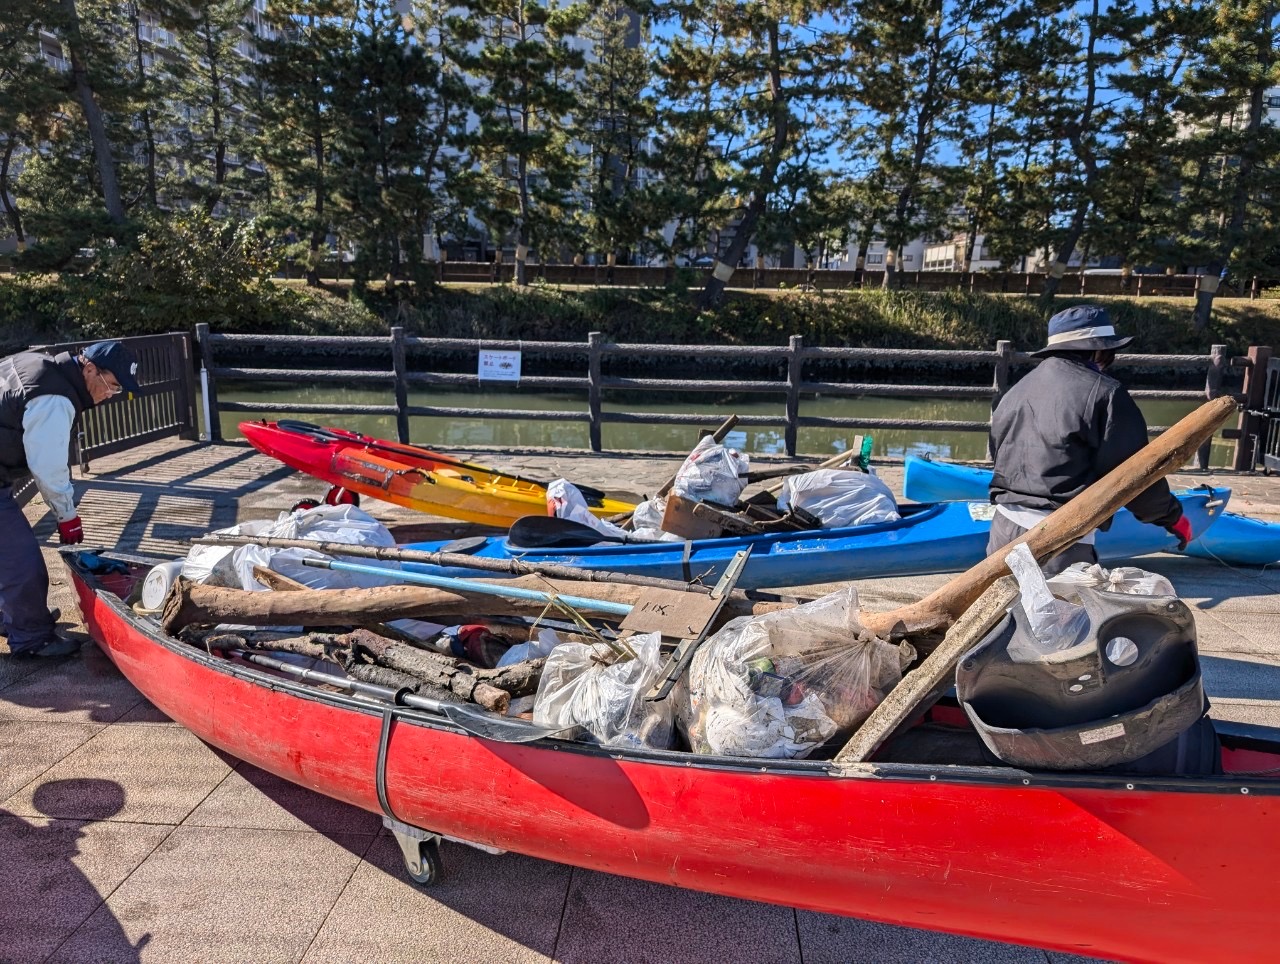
46, 439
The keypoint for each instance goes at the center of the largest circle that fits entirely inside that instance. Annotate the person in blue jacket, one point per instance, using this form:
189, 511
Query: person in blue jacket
40, 398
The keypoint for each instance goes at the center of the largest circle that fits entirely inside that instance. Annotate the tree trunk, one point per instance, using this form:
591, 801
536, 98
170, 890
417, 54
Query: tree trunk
93, 118
6, 198
713, 291
194, 604
148, 136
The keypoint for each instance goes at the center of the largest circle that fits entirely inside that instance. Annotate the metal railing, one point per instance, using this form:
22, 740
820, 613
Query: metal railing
794, 387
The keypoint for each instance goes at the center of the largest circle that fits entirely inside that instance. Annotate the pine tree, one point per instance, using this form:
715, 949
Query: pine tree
1228, 202
615, 122
298, 120
212, 138
32, 96
91, 61
522, 69
754, 84
910, 59
382, 89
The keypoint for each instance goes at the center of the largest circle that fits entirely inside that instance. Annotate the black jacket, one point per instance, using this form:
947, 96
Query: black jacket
1060, 429
25, 376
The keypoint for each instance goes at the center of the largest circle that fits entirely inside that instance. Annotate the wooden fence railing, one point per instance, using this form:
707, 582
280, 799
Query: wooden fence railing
796, 357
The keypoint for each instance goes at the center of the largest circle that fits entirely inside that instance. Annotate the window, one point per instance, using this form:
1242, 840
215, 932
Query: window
1273, 101
875, 259
908, 258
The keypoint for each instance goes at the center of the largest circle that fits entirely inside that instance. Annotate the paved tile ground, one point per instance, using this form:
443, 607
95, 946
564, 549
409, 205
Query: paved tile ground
124, 838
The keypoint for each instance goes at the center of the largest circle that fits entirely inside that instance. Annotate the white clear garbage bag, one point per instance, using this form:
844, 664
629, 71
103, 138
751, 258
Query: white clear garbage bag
782, 684
839, 498
540, 646
712, 473
1056, 624
226, 566
1126, 579
566, 502
606, 699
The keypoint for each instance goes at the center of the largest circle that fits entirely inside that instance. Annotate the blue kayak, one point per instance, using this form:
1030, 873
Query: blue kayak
1234, 539
943, 537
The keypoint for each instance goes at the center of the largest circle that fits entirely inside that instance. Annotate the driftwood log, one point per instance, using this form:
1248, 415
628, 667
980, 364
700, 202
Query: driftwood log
371, 658
191, 604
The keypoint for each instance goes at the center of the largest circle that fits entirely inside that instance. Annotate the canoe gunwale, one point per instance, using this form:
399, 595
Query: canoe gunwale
876, 770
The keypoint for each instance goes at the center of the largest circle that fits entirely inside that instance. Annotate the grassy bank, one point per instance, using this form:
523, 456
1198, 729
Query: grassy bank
45, 308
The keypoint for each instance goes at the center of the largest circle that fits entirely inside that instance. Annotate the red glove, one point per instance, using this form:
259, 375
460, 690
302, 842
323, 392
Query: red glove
71, 532
1182, 529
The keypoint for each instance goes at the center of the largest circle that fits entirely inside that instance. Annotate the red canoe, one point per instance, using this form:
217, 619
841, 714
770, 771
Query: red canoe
1161, 869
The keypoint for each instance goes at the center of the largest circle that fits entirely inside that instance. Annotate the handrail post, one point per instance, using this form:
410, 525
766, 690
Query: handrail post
795, 366
402, 386
208, 384
1255, 390
1000, 381
1212, 389
594, 341
180, 351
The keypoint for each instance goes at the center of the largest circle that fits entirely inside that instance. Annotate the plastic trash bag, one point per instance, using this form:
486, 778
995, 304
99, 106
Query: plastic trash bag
540, 646
564, 501
839, 498
1056, 624
1126, 579
606, 699
646, 521
712, 473
233, 566
782, 684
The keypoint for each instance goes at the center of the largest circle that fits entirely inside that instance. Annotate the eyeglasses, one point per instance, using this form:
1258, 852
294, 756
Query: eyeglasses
111, 389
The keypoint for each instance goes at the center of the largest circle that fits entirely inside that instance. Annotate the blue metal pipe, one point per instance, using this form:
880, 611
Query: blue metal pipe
471, 585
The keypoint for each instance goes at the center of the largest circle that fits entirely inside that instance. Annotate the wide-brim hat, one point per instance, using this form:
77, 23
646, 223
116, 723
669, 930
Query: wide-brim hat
1082, 328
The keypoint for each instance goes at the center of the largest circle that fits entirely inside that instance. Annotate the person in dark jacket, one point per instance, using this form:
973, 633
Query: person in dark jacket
40, 398
1064, 426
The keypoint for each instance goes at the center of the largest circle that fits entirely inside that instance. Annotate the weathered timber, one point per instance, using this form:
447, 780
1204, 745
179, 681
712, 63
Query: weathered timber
275, 580
491, 688
392, 679
921, 687
193, 604
1163, 455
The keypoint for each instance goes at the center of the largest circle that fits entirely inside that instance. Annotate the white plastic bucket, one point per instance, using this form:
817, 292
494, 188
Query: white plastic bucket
158, 582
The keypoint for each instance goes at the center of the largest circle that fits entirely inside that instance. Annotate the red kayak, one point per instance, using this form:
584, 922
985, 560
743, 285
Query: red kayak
1160, 868
413, 477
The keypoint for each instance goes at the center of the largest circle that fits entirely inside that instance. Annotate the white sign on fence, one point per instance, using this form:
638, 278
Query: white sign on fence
499, 366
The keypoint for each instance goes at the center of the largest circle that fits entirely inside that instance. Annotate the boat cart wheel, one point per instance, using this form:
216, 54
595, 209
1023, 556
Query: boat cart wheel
420, 850
305, 504
427, 868
338, 495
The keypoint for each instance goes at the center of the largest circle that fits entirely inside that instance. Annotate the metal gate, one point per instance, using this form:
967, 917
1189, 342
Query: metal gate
1269, 431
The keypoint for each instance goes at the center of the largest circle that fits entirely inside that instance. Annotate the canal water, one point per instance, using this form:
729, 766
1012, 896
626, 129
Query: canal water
464, 433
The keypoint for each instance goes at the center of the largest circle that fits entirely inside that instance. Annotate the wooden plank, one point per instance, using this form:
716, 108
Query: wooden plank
911, 696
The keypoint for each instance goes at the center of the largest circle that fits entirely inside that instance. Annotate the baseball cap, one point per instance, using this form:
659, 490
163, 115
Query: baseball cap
115, 358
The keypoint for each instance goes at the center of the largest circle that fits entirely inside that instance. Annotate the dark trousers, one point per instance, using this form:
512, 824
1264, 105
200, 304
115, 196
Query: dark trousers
24, 582
1004, 530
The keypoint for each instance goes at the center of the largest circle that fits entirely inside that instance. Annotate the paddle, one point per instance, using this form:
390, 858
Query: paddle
321, 434
549, 532
470, 719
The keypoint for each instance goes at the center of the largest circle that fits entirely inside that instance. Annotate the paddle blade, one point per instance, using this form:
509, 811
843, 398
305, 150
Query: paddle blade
547, 532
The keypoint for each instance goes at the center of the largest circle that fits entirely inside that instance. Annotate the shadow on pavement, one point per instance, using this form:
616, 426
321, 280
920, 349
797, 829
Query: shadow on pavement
48, 896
